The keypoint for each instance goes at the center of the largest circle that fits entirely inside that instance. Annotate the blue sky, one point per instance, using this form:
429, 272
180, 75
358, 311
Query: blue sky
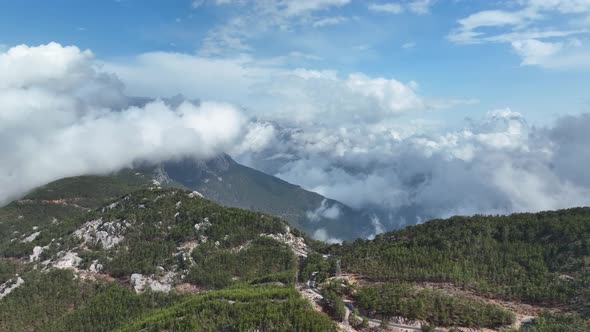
403, 40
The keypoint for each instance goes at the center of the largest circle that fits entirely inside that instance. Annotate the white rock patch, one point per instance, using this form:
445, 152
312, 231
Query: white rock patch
296, 243
203, 225
68, 261
31, 237
107, 234
195, 194
7, 287
141, 283
95, 267
37, 251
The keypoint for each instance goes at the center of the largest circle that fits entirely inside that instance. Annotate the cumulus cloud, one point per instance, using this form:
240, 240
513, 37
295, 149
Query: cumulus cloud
60, 116
270, 90
498, 164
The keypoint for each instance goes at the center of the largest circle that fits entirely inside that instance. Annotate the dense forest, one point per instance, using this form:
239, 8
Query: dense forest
261, 308
436, 307
540, 258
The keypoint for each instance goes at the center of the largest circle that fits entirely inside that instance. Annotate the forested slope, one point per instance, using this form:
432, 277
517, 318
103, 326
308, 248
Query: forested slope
538, 258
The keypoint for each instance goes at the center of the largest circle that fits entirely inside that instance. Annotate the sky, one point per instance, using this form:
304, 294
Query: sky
379, 104
490, 51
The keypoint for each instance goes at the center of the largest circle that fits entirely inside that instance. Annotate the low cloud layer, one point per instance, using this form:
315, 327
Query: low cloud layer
498, 164
61, 116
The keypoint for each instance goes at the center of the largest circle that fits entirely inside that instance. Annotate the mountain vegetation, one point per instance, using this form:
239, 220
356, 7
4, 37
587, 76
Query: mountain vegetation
127, 253
537, 258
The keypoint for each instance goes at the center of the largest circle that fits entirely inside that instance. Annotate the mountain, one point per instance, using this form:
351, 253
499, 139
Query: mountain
136, 263
220, 179
136, 251
229, 183
533, 264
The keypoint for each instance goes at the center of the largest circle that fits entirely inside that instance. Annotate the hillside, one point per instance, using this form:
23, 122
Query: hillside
229, 183
124, 253
536, 262
220, 179
166, 245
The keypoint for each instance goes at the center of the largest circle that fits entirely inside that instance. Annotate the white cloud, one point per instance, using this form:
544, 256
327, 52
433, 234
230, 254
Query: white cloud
563, 6
268, 90
532, 31
299, 7
322, 235
392, 8
334, 20
569, 54
419, 7
261, 16
409, 45
60, 116
324, 211
499, 164
534, 52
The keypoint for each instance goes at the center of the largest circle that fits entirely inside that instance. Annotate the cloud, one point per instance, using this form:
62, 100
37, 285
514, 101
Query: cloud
392, 8
322, 235
409, 45
60, 116
539, 31
334, 20
259, 17
299, 7
569, 54
268, 89
324, 211
498, 164
419, 7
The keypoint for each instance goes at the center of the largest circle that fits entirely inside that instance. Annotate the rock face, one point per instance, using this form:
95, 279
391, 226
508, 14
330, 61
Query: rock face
142, 283
107, 234
31, 237
12, 284
69, 260
296, 243
37, 251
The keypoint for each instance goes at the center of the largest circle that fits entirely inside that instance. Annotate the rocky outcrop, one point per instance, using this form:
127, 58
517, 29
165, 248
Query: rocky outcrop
67, 260
142, 283
12, 284
107, 234
296, 243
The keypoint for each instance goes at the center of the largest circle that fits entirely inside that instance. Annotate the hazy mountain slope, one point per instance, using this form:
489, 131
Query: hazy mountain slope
220, 179
229, 183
